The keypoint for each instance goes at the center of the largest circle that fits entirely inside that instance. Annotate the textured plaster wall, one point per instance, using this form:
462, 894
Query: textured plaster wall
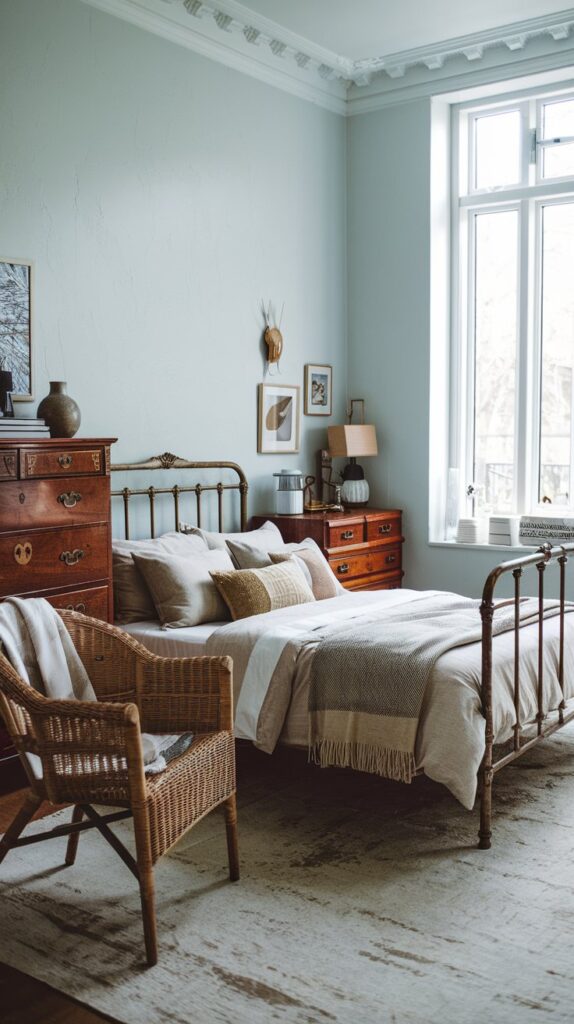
160, 196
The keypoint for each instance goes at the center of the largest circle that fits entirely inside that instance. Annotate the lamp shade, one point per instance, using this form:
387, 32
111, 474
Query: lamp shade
352, 441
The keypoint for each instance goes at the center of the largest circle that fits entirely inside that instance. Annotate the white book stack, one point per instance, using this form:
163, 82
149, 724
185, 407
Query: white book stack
536, 530
470, 531
504, 530
15, 426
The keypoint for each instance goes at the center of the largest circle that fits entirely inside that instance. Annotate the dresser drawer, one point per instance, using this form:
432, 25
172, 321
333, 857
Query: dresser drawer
365, 563
54, 502
37, 462
351, 533
44, 559
8, 465
90, 601
386, 581
385, 528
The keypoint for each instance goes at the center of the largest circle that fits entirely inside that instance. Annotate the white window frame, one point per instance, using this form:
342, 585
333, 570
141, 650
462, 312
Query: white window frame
528, 198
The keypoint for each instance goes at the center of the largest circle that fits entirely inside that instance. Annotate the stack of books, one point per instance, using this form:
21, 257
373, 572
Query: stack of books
536, 530
15, 426
471, 531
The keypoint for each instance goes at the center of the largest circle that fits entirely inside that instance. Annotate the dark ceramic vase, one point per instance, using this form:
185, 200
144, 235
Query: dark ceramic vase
61, 413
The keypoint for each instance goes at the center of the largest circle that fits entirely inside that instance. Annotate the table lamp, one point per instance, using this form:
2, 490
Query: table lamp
353, 441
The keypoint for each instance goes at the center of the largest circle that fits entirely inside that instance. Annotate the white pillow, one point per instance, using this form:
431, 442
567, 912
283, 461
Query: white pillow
266, 538
182, 589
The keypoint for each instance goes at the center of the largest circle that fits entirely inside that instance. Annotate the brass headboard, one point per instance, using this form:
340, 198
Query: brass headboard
169, 461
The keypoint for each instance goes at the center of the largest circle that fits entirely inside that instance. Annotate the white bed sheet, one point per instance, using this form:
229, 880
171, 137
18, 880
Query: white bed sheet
187, 642
450, 741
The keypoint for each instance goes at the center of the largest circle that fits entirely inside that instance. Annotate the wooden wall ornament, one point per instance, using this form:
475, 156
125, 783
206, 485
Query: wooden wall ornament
273, 337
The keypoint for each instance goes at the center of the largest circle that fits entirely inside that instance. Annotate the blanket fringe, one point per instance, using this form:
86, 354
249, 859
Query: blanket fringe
398, 765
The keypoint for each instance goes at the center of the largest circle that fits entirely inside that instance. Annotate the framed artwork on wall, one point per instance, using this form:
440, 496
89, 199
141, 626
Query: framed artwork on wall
279, 418
318, 389
16, 326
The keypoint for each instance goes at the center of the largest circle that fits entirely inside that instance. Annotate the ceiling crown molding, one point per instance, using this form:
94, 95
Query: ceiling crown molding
229, 32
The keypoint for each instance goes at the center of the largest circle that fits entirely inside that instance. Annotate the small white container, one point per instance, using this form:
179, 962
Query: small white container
289, 496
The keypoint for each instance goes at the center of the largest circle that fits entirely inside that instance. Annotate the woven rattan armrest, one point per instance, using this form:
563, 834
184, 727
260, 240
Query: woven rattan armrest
186, 694
88, 749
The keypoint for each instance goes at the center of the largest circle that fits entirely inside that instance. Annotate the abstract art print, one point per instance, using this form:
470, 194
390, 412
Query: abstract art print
279, 416
318, 390
16, 325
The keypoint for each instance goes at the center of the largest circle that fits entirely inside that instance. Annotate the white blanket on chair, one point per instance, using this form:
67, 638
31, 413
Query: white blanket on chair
38, 646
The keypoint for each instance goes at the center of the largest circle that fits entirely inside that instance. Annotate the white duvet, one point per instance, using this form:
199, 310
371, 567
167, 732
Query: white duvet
450, 741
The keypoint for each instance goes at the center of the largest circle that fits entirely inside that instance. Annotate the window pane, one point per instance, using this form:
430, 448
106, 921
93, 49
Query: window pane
558, 161
558, 119
497, 149
558, 122
495, 329
557, 353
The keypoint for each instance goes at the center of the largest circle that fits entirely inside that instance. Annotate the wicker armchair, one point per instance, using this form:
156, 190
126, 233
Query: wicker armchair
91, 753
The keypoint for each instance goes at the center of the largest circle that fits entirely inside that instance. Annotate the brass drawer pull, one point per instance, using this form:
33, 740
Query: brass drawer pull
342, 569
69, 499
72, 557
390, 559
79, 607
65, 461
385, 528
347, 534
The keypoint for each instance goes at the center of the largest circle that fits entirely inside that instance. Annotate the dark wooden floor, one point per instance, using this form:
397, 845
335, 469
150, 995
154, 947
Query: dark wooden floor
22, 999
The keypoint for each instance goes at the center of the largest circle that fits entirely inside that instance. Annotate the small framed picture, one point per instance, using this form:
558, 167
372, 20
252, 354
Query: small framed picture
16, 326
279, 418
318, 390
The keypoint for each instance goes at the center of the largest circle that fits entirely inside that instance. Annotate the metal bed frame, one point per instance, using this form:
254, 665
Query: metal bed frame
540, 559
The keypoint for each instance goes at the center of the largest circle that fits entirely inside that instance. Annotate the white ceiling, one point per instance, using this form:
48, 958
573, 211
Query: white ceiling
373, 28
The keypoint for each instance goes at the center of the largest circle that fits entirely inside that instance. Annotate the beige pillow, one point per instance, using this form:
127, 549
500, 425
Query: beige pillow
266, 538
254, 591
324, 583
308, 556
132, 599
182, 589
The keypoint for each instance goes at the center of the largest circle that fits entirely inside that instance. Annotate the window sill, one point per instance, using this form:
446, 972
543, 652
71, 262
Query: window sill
519, 549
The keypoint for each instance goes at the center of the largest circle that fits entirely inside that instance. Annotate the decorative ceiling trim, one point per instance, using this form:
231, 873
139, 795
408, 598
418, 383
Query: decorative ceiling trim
229, 32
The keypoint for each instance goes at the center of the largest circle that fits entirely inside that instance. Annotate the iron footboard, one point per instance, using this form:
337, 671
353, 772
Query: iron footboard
540, 559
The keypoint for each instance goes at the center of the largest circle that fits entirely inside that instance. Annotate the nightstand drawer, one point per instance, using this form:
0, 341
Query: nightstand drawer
351, 533
37, 462
367, 563
387, 528
45, 559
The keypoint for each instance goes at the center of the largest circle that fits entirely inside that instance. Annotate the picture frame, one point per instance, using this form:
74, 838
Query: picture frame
16, 325
279, 419
318, 389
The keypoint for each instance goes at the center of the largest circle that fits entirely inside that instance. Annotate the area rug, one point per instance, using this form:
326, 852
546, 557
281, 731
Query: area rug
360, 901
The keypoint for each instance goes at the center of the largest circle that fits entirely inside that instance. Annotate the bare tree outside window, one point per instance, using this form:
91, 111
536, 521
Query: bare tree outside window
15, 325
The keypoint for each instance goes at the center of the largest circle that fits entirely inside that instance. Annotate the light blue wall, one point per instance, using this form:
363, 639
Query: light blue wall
161, 196
389, 260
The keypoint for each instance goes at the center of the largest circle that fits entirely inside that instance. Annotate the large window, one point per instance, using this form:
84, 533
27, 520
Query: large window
513, 280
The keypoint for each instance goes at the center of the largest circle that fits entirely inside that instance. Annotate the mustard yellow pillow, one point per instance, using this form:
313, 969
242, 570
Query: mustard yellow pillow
254, 591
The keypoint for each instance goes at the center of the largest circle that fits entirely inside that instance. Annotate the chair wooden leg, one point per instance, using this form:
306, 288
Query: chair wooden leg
74, 838
146, 882
231, 829
26, 812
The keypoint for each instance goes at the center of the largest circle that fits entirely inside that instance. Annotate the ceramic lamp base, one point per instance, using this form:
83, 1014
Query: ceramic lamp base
355, 493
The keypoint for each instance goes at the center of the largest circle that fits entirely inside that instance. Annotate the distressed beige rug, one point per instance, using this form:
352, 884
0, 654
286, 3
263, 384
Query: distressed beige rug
361, 901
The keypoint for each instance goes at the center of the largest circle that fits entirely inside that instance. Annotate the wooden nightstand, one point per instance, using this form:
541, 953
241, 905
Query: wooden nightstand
363, 547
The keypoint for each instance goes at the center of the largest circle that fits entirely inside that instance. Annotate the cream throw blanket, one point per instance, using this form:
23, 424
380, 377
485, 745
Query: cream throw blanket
368, 682
38, 646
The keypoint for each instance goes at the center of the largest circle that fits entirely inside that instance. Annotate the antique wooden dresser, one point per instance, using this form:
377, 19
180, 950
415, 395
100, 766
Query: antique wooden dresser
55, 533
363, 546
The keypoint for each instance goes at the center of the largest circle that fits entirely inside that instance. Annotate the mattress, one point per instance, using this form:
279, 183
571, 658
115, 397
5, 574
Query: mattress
188, 642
